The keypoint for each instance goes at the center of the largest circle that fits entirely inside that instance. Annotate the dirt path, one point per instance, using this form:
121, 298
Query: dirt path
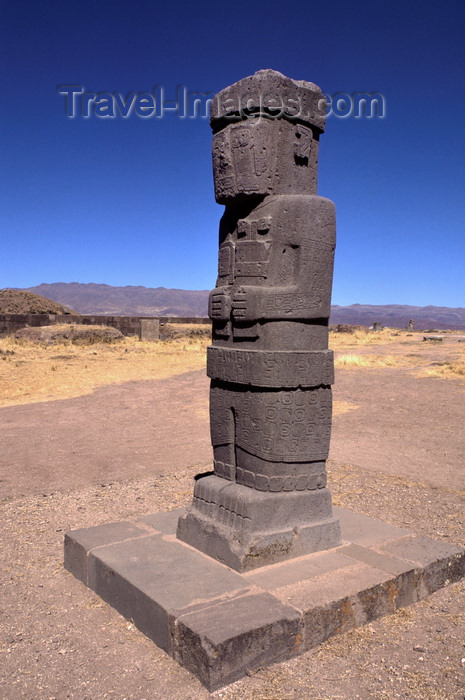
402, 425
118, 432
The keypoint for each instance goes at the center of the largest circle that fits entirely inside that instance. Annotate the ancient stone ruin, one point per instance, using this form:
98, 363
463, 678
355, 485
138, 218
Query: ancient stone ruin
266, 503
270, 367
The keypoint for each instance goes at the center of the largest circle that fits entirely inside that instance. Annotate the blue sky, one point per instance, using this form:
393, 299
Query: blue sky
130, 201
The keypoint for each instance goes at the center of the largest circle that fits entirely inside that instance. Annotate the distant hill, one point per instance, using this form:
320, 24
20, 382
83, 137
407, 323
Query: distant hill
104, 299
398, 316
17, 301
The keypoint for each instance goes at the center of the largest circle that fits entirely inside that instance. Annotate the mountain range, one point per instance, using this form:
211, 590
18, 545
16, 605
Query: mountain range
398, 316
103, 299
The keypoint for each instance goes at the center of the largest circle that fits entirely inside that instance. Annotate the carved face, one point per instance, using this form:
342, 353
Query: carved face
244, 159
302, 144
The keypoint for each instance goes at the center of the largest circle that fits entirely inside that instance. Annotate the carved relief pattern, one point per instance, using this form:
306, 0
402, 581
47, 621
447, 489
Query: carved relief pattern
271, 368
283, 426
274, 263
295, 425
263, 482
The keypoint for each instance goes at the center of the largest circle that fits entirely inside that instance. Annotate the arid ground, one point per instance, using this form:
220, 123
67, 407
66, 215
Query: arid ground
96, 433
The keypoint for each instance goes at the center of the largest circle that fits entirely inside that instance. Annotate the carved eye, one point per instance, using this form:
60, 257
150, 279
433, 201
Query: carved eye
240, 139
302, 144
242, 227
263, 225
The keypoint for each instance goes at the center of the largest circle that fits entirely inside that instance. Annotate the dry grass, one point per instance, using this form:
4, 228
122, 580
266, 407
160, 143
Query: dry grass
76, 333
337, 341
448, 363
448, 370
452, 366
31, 372
373, 361
340, 407
185, 330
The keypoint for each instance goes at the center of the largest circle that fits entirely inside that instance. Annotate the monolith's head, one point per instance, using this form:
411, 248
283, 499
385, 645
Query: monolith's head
266, 132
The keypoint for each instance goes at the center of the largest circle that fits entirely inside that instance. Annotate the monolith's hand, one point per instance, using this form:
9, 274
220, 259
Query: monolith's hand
245, 304
219, 304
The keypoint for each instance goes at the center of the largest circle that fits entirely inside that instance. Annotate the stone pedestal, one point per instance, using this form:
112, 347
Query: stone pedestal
245, 528
221, 624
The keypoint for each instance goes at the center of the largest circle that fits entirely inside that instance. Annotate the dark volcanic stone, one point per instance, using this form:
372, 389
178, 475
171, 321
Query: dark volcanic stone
271, 370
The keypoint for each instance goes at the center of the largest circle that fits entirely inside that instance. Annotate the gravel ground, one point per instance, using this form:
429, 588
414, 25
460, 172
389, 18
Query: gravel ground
60, 641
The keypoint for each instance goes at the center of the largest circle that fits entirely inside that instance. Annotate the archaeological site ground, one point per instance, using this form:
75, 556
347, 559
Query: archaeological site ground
102, 453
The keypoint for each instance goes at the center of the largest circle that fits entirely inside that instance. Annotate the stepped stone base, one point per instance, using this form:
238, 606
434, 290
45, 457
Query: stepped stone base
220, 624
245, 528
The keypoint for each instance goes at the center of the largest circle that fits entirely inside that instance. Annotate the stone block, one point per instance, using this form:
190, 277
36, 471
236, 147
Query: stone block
164, 522
246, 528
149, 329
335, 601
223, 642
221, 624
436, 563
151, 579
79, 543
298, 569
391, 564
363, 530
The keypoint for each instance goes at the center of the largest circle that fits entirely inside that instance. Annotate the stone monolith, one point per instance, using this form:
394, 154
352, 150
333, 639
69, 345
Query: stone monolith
270, 367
